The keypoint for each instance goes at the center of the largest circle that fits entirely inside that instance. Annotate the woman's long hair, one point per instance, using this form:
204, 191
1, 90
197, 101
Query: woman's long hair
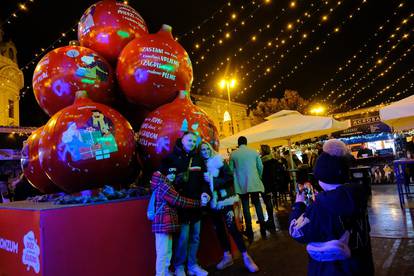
212, 151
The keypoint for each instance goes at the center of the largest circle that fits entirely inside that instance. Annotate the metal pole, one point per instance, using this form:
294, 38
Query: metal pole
230, 109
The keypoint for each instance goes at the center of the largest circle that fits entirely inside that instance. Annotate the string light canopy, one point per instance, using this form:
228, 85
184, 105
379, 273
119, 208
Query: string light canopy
273, 45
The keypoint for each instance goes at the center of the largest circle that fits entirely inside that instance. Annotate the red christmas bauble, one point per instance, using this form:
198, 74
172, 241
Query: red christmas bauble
108, 26
166, 124
63, 71
133, 113
31, 165
152, 68
87, 145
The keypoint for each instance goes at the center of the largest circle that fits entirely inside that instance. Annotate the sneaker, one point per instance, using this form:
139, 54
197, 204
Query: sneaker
249, 263
225, 262
196, 270
179, 271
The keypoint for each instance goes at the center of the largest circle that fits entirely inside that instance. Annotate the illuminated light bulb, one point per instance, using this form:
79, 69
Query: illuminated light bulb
197, 46
22, 7
283, 41
242, 23
336, 30
292, 4
268, 69
240, 49
269, 43
324, 18
290, 26
233, 16
227, 35
220, 41
254, 38
202, 57
304, 35
405, 35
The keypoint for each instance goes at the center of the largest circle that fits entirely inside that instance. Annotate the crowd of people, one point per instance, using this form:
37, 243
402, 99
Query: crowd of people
195, 179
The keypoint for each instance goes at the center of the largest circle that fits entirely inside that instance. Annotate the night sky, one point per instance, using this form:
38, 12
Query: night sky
346, 59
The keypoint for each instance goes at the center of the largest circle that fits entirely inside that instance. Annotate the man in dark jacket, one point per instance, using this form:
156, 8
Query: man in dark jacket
337, 211
189, 183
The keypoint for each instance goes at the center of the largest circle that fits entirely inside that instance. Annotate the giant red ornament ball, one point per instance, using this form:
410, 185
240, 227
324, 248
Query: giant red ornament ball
152, 68
63, 71
31, 165
87, 145
166, 124
108, 26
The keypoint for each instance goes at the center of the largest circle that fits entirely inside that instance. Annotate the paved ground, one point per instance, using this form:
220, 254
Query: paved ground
392, 242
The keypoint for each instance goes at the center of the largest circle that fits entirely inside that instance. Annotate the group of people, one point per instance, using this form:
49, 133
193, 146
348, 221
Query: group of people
191, 178
334, 226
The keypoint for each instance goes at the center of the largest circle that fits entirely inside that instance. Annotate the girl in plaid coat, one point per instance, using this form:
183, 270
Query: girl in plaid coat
165, 222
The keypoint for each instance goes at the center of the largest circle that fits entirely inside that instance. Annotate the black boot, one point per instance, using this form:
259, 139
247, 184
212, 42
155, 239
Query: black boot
263, 229
270, 225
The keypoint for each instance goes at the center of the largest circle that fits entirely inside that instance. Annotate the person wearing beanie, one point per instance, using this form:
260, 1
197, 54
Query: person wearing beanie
335, 226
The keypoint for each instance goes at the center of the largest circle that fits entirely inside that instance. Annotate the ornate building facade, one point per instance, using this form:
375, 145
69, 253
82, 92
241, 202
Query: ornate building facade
215, 109
11, 82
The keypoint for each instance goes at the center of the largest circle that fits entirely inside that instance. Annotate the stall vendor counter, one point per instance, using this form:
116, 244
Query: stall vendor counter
111, 238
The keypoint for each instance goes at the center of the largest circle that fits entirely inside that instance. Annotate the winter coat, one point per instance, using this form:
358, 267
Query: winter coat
247, 170
334, 212
223, 186
269, 173
166, 220
195, 186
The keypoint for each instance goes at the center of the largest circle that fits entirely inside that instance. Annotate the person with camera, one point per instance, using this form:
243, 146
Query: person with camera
189, 182
335, 226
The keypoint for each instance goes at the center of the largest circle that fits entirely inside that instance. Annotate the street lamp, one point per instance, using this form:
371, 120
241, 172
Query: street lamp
229, 83
318, 109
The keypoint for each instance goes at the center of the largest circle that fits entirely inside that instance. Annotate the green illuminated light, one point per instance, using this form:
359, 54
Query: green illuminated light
88, 81
123, 34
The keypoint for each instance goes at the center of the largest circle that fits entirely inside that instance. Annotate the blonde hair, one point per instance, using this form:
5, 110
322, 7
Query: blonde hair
213, 152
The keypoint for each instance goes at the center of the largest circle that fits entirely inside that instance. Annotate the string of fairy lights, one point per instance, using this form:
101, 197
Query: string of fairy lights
269, 44
385, 89
349, 62
308, 54
215, 14
399, 94
276, 50
387, 70
20, 9
377, 63
283, 55
201, 44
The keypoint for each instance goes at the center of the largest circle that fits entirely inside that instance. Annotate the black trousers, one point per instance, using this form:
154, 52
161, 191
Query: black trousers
223, 219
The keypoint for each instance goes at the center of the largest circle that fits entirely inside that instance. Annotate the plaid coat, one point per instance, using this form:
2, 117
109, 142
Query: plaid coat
166, 221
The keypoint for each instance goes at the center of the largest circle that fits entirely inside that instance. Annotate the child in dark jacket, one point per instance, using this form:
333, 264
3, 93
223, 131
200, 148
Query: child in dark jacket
165, 222
335, 226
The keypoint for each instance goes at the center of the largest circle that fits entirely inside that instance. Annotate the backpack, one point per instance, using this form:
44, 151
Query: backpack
151, 212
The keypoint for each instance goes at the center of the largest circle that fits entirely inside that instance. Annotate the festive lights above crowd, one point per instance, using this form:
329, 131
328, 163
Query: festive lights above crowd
20, 9
385, 89
349, 62
379, 75
271, 44
377, 60
305, 57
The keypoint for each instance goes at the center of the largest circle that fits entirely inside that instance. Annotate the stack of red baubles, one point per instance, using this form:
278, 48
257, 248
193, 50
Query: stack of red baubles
119, 76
